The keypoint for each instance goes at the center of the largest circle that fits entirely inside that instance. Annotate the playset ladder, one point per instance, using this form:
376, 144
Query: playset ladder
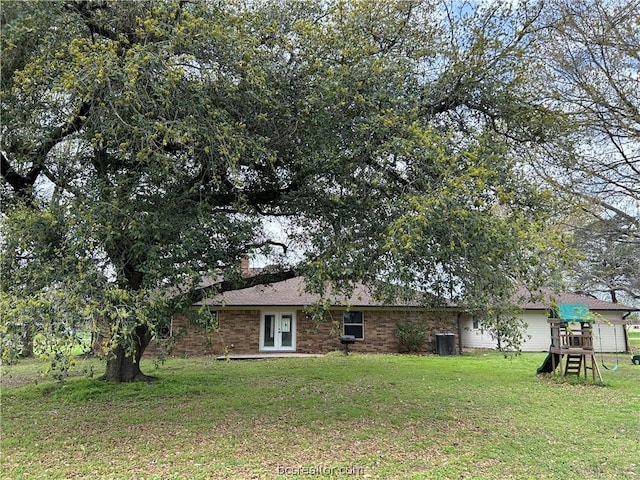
574, 364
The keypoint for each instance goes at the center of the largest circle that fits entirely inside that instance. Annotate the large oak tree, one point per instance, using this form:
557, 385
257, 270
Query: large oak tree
147, 145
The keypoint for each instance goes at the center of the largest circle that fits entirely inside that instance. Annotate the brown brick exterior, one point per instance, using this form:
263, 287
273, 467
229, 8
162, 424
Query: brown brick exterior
239, 332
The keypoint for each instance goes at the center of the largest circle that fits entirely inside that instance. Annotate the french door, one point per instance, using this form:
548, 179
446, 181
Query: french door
278, 332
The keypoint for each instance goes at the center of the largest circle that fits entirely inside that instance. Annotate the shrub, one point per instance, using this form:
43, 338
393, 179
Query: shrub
411, 337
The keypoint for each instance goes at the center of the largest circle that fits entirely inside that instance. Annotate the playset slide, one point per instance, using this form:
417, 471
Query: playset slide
547, 365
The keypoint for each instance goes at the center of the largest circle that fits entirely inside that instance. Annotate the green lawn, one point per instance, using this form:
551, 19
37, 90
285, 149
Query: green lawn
476, 416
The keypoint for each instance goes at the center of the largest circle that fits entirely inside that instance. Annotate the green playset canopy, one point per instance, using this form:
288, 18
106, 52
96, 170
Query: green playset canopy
572, 312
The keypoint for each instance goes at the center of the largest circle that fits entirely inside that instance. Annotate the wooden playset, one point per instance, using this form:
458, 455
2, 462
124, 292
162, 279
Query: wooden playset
572, 340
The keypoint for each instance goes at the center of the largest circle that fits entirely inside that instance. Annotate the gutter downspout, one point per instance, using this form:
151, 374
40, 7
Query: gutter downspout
460, 333
627, 347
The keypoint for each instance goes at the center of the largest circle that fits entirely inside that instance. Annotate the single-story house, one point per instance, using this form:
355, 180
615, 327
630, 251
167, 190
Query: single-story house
274, 319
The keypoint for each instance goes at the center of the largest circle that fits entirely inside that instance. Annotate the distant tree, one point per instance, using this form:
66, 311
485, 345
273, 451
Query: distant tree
146, 145
593, 55
610, 259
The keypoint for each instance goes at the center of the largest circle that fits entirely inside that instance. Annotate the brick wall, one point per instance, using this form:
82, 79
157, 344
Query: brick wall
239, 333
379, 328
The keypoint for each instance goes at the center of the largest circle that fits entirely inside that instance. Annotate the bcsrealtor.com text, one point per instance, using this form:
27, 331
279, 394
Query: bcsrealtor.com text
321, 470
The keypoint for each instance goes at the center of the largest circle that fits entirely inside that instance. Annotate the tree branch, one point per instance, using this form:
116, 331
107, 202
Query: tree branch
23, 184
248, 282
285, 248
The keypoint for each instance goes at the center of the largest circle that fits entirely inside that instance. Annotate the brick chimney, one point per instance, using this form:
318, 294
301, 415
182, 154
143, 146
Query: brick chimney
244, 267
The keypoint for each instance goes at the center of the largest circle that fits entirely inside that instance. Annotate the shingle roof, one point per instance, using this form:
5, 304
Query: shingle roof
291, 293
543, 299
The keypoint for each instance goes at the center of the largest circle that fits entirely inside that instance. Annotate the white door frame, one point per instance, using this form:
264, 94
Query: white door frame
282, 322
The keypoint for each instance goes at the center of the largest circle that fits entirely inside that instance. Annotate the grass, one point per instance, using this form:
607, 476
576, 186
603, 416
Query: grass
475, 416
634, 339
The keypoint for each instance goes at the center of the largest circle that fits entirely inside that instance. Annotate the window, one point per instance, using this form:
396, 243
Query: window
353, 324
476, 323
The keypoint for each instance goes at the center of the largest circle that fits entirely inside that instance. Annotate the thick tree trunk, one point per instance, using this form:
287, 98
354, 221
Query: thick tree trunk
126, 368
123, 365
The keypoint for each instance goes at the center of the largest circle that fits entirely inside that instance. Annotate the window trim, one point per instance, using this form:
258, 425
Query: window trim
360, 324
